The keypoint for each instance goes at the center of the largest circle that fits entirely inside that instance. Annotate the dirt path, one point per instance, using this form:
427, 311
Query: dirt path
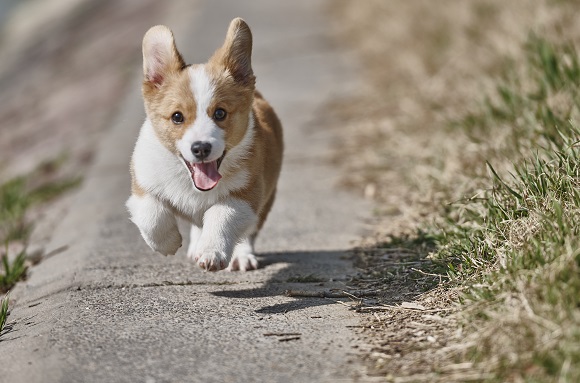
108, 309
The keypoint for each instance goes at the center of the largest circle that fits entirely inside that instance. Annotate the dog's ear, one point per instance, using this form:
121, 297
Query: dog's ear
160, 55
236, 53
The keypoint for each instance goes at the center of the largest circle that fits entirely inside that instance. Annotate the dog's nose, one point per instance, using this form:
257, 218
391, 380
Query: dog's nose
201, 150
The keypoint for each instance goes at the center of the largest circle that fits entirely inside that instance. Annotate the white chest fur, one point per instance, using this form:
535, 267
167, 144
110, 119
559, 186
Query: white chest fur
165, 176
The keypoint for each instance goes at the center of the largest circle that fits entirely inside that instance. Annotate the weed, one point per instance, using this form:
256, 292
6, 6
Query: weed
19, 194
3, 312
12, 271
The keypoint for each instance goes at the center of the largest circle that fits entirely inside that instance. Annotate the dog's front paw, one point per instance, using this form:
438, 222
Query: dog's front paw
211, 260
166, 245
243, 262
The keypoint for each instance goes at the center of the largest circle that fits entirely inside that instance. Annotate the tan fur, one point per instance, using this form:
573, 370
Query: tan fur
236, 52
265, 161
235, 99
174, 95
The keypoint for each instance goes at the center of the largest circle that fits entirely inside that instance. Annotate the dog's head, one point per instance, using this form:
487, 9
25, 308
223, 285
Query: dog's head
199, 112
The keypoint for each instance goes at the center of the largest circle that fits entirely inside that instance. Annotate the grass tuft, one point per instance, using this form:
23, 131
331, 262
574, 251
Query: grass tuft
517, 249
3, 312
12, 271
19, 194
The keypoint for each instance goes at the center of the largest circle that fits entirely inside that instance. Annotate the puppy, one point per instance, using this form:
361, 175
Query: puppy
210, 152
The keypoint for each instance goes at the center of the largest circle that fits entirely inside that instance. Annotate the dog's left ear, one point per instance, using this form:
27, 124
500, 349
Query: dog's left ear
236, 53
160, 55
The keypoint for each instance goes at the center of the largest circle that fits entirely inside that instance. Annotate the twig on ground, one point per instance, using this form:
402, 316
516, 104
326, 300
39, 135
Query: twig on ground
389, 307
329, 294
288, 339
429, 274
389, 250
286, 336
56, 251
282, 334
347, 305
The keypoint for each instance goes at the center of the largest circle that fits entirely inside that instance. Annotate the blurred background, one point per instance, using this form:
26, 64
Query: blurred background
444, 87
65, 65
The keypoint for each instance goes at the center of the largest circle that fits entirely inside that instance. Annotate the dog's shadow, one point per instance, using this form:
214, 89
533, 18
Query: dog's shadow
307, 271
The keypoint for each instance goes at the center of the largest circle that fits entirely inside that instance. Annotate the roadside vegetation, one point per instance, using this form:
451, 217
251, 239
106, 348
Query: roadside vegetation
515, 246
18, 196
477, 248
3, 313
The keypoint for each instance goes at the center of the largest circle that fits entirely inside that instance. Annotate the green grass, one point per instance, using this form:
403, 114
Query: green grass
12, 272
17, 197
3, 313
516, 248
21, 193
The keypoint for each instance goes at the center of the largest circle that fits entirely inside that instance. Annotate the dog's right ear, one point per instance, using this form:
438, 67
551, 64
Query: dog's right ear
160, 55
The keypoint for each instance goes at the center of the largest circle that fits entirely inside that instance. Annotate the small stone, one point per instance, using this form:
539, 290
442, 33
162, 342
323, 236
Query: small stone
370, 191
34, 253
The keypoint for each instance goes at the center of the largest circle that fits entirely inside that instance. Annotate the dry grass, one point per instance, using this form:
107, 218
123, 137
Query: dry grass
450, 87
426, 66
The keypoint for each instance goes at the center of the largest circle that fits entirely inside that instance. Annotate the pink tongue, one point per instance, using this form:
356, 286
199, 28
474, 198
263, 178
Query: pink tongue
205, 175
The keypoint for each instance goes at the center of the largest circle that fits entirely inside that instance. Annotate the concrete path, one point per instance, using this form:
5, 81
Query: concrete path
110, 310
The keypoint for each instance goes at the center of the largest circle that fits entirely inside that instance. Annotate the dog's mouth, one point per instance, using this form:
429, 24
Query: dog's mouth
205, 175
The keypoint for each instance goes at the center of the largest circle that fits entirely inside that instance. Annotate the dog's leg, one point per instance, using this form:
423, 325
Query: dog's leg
194, 235
156, 223
243, 258
224, 224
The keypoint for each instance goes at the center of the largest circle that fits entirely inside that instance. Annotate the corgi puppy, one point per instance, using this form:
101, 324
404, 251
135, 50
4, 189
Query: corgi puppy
210, 152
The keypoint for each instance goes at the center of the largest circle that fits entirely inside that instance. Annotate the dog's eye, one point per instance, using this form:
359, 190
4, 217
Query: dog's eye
177, 118
219, 114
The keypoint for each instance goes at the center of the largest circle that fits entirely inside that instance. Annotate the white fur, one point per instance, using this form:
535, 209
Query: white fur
224, 224
243, 258
204, 128
164, 175
194, 235
157, 224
